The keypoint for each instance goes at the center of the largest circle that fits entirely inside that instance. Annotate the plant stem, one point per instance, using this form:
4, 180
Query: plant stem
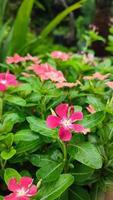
64, 150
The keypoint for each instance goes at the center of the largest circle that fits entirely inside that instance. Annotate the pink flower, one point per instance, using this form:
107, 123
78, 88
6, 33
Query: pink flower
88, 78
89, 59
110, 84
96, 75
32, 58
65, 119
91, 109
60, 55
47, 72
26, 74
67, 84
22, 190
6, 80
99, 76
15, 59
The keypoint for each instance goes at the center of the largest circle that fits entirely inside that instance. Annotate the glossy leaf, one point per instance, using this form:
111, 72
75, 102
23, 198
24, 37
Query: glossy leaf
87, 154
11, 173
78, 193
38, 125
51, 172
53, 190
6, 155
25, 135
93, 120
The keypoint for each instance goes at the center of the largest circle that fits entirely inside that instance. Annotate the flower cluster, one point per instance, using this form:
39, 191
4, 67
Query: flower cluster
17, 59
96, 75
60, 55
47, 72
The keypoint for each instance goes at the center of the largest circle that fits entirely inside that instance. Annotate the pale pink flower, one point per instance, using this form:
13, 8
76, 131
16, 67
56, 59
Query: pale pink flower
96, 75
89, 59
15, 59
47, 72
91, 109
26, 74
60, 55
32, 58
110, 84
88, 77
67, 84
22, 190
93, 27
100, 76
6, 80
65, 119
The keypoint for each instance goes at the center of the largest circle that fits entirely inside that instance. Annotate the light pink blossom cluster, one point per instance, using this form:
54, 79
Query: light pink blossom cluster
64, 117
60, 55
96, 75
110, 84
17, 59
6, 80
22, 190
89, 59
47, 72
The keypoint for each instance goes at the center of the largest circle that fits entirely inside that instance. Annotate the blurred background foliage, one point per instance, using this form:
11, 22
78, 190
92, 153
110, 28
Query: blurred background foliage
40, 26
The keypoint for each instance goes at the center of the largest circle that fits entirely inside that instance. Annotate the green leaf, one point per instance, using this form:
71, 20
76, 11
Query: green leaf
96, 102
87, 154
78, 193
81, 173
9, 121
6, 155
38, 125
20, 29
53, 190
51, 172
40, 160
93, 120
11, 173
25, 135
60, 17
15, 100
2, 8
39, 5
23, 147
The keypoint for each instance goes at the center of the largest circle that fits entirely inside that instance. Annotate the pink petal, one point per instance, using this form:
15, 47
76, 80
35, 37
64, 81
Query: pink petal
23, 198
65, 134
25, 182
76, 116
62, 110
12, 196
32, 191
78, 128
52, 121
13, 185
2, 87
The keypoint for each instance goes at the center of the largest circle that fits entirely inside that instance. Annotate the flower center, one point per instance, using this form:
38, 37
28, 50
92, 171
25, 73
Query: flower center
21, 192
66, 123
53, 75
3, 82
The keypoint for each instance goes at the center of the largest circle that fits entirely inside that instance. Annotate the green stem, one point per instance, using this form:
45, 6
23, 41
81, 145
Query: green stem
1, 107
64, 151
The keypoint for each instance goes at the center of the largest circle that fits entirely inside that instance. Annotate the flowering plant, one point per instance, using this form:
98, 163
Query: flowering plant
55, 127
